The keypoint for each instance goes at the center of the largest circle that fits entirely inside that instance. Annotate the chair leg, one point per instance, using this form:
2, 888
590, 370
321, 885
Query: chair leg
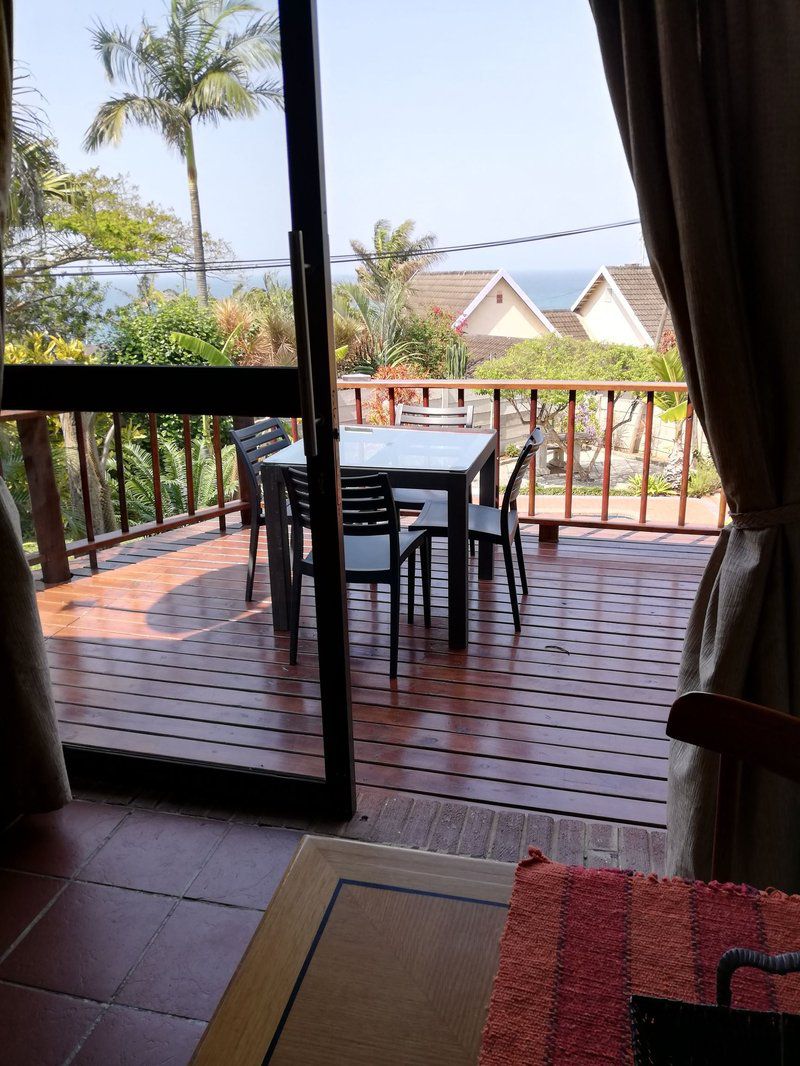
251, 561
394, 636
512, 583
426, 579
521, 562
412, 559
294, 619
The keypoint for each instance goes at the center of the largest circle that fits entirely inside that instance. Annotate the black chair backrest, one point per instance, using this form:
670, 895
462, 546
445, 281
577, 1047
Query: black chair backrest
410, 414
254, 443
531, 445
368, 508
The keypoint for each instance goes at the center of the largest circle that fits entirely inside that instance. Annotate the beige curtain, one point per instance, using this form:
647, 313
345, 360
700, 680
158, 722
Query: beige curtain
707, 97
32, 772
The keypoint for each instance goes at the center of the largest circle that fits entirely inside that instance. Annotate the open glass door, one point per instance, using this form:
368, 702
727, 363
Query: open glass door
168, 661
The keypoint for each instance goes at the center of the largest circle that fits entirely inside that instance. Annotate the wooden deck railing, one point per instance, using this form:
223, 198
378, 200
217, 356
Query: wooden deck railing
535, 392
53, 551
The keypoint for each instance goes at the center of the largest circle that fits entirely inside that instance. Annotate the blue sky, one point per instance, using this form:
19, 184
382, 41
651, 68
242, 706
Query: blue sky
479, 120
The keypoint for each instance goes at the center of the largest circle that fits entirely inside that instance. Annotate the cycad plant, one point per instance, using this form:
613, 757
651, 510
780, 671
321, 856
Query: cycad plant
201, 67
138, 467
376, 326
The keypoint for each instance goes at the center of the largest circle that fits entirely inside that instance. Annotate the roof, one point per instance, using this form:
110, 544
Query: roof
567, 323
637, 286
483, 346
451, 290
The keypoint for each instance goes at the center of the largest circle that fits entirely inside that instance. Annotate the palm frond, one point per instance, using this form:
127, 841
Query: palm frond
129, 110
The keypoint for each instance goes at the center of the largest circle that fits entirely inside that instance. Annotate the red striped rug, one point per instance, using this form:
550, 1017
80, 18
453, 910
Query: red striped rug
579, 942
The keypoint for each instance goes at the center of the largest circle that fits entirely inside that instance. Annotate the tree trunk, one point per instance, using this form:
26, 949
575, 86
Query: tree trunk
102, 509
197, 225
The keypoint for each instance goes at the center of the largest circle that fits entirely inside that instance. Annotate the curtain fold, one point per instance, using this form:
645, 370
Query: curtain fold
33, 776
707, 98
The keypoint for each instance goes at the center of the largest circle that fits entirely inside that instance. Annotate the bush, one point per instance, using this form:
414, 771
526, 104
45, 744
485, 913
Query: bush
657, 485
703, 479
140, 335
377, 407
553, 358
430, 335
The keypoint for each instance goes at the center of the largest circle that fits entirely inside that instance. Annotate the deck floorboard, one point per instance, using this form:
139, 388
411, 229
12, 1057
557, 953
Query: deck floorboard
157, 653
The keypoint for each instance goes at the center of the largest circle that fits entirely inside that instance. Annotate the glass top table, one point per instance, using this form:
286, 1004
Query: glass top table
413, 458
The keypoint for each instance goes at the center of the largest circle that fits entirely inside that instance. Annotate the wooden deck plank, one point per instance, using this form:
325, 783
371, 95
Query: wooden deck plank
157, 653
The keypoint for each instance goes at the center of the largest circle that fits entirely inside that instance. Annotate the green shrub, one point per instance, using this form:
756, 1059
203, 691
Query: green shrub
657, 485
703, 479
553, 358
140, 335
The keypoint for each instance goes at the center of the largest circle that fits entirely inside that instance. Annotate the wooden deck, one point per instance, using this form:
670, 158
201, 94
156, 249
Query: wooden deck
158, 653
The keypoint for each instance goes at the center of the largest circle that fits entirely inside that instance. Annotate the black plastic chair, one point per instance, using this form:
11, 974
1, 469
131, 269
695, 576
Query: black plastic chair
374, 548
254, 444
409, 414
500, 525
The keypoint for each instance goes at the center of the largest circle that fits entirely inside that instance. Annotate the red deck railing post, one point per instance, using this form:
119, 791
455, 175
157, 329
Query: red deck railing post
648, 449
607, 449
723, 510
392, 413
570, 471
156, 464
217, 448
187, 458
532, 464
460, 397
86, 496
120, 472
359, 410
496, 426
426, 397
687, 459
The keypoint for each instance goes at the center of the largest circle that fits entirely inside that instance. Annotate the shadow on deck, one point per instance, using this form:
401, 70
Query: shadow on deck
158, 653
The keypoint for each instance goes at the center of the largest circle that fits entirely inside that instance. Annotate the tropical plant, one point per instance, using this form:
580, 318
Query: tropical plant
138, 467
703, 478
200, 68
657, 485
456, 359
376, 327
667, 366
430, 335
206, 351
395, 257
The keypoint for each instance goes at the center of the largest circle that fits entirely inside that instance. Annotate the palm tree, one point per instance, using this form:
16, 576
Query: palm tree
396, 256
200, 68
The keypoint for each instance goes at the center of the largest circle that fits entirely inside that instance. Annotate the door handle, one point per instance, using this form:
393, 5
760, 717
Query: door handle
302, 342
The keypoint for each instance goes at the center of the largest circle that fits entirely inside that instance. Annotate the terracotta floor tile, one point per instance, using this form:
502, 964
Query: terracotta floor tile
88, 940
61, 1023
246, 867
154, 852
22, 897
58, 843
188, 966
129, 1037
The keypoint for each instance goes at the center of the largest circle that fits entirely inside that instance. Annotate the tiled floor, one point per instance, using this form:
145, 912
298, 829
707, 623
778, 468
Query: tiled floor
123, 917
120, 928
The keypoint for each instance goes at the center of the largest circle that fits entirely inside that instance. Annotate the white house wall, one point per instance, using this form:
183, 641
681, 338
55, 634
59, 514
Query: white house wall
606, 318
511, 318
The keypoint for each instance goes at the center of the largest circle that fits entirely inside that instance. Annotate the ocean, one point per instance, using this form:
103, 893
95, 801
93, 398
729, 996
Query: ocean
547, 288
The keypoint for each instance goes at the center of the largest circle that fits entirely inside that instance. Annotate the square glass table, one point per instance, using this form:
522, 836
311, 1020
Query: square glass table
413, 458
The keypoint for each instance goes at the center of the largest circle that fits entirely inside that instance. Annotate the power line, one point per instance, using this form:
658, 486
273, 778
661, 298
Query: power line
239, 265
